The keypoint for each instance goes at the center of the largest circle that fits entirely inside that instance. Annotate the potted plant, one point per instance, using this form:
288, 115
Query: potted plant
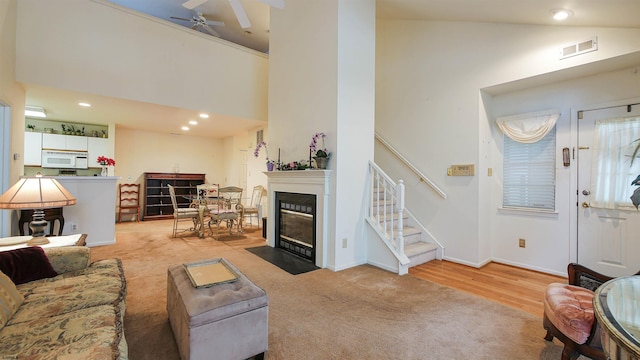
321, 155
256, 153
104, 162
31, 127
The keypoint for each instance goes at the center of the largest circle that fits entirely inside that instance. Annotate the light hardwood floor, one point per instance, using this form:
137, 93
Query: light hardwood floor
518, 288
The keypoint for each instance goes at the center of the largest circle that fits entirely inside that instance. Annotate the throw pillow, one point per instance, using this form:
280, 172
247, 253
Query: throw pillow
10, 299
26, 264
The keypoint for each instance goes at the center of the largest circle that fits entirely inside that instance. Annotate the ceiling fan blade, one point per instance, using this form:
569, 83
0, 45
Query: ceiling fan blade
238, 9
177, 18
204, 20
274, 3
190, 4
210, 30
214, 23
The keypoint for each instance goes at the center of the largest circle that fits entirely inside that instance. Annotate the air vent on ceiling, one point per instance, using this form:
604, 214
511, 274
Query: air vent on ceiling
579, 48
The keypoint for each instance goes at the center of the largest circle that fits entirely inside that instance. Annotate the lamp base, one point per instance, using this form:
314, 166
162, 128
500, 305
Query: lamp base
35, 241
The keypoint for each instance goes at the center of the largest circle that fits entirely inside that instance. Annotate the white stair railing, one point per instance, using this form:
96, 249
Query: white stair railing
386, 204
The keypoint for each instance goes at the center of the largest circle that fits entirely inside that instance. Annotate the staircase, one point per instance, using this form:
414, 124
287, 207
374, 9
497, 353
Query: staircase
401, 233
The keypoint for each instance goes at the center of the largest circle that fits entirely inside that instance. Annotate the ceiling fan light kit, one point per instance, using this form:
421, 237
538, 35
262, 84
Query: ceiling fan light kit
238, 9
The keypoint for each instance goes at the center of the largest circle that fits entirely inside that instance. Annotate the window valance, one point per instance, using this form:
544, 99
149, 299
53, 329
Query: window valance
530, 127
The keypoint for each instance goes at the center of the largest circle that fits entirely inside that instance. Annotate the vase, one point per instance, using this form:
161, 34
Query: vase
321, 162
104, 171
270, 166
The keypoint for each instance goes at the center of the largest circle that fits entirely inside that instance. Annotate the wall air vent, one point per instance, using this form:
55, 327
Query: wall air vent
579, 48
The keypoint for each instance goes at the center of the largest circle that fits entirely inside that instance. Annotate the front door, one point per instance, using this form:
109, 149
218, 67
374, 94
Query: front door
608, 223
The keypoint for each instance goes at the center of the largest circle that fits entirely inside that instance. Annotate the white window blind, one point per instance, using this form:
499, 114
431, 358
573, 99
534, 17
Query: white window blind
529, 173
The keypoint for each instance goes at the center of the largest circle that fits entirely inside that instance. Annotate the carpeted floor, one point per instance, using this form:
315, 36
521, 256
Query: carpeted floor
358, 313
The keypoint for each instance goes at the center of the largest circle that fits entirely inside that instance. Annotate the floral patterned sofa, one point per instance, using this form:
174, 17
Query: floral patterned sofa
56, 304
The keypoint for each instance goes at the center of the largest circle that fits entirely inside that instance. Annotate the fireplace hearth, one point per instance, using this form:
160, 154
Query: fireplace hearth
296, 224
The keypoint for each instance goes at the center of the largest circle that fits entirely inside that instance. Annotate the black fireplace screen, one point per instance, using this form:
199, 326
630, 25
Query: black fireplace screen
295, 223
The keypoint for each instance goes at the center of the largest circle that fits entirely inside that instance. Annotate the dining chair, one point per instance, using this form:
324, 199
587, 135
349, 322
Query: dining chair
207, 193
192, 214
129, 200
253, 208
226, 209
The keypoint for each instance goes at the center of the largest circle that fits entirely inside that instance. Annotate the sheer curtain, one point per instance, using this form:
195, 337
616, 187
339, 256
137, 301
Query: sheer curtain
611, 170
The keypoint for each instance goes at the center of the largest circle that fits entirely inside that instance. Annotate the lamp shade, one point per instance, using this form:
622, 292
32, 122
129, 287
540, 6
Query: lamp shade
37, 192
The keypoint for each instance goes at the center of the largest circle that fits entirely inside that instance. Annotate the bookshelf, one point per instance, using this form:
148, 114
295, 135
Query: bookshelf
157, 201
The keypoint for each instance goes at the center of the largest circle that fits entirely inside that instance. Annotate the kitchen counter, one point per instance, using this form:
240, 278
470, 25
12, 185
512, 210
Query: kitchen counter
95, 209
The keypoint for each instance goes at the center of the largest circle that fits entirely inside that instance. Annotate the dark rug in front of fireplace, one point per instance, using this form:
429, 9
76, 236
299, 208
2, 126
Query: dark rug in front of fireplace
288, 262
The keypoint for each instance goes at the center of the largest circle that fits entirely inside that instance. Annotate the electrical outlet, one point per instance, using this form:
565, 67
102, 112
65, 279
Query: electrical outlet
522, 243
344, 243
74, 227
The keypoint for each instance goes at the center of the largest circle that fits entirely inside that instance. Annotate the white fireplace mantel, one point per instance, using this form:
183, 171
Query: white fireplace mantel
316, 182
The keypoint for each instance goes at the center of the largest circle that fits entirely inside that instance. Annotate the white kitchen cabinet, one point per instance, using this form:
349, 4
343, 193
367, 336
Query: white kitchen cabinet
32, 148
64, 142
97, 147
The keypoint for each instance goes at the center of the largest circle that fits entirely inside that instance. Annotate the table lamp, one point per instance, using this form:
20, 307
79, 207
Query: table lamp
37, 193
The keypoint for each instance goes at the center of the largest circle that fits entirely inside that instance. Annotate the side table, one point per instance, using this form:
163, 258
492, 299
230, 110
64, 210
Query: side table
17, 242
615, 306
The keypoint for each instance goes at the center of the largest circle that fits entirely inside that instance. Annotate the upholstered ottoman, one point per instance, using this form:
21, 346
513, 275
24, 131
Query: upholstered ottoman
225, 321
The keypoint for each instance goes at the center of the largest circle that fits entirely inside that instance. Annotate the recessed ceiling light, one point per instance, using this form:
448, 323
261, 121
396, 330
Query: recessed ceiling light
561, 14
204, 116
193, 122
84, 104
185, 128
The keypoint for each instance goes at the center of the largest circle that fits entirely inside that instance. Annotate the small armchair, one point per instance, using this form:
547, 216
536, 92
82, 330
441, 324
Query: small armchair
253, 208
568, 313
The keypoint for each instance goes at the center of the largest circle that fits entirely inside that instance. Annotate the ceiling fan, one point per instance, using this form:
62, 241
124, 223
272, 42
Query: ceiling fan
237, 7
199, 21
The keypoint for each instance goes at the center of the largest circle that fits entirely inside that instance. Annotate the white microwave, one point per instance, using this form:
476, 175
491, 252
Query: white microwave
59, 159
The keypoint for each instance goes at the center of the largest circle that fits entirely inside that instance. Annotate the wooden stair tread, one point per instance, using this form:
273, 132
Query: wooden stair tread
419, 247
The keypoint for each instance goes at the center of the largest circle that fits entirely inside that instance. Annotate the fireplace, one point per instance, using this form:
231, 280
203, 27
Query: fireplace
296, 224
309, 242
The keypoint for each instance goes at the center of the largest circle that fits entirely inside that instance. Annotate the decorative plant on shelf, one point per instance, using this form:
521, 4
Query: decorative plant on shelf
105, 161
321, 153
31, 127
256, 153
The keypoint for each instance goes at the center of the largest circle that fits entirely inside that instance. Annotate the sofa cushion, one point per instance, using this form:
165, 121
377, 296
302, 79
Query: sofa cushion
570, 309
10, 299
26, 264
68, 258
93, 333
102, 283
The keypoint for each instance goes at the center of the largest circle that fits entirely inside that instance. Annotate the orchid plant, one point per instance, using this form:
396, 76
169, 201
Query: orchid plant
320, 151
105, 161
256, 152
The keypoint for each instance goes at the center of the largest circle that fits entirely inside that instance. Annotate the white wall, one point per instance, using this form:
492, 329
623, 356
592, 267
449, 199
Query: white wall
99, 48
550, 239
429, 106
13, 98
138, 152
322, 81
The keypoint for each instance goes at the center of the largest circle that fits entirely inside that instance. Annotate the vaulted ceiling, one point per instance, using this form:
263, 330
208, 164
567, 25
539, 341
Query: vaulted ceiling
597, 13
